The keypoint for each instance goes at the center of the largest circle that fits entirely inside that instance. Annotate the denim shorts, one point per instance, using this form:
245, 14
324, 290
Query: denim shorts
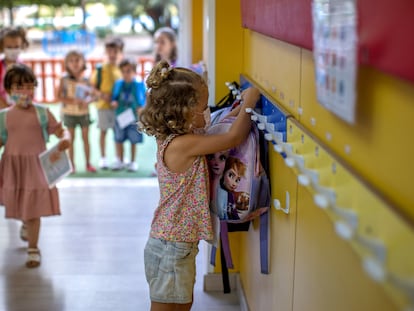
129, 133
170, 270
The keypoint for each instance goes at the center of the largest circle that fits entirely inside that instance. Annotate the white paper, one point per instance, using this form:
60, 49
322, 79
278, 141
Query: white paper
83, 92
56, 171
125, 118
334, 51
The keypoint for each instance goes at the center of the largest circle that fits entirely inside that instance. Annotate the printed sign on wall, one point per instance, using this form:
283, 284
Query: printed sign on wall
335, 50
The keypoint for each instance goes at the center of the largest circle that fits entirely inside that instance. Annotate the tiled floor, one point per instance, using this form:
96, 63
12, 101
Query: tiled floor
92, 255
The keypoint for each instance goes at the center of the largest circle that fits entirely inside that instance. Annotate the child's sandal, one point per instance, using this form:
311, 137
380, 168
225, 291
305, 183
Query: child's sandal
33, 258
23, 232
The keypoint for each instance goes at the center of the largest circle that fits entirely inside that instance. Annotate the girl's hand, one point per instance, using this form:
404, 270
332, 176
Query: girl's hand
114, 104
250, 97
63, 144
106, 97
84, 104
54, 156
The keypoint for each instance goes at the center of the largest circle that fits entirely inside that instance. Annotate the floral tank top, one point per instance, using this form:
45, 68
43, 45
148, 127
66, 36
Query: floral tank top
183, 213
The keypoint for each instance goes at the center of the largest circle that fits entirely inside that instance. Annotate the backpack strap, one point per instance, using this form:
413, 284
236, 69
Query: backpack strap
264, 243
98, 76
41, 112
3, 130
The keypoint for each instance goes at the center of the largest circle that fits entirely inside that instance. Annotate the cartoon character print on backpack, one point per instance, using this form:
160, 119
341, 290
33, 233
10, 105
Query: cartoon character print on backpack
229, 192
234, 175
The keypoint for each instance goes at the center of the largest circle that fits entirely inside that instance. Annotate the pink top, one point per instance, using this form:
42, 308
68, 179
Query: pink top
183, 213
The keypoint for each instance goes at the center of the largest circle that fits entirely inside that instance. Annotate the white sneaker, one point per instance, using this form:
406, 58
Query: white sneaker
132, 167
103, 164
117, 166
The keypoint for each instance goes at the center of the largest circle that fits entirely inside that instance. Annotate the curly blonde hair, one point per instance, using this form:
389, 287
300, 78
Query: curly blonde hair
173, 94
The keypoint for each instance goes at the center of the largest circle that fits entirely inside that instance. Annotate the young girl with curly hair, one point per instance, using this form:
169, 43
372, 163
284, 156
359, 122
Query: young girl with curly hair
176, 113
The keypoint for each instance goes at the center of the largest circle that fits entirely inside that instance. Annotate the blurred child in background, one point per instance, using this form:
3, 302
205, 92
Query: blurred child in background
165, 45
128, 98
103, 80
13, 41
75, 94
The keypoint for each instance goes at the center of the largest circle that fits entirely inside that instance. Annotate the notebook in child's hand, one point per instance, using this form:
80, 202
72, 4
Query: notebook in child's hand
55, 171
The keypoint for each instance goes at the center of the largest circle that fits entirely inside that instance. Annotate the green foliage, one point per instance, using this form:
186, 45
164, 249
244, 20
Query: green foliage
159, 11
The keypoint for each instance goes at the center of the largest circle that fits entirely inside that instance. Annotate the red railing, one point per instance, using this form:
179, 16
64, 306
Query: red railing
49, 70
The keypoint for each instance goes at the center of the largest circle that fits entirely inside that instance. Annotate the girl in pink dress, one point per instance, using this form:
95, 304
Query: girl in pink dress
23, 188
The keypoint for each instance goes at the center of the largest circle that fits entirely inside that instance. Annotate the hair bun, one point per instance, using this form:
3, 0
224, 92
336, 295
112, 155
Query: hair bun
158, 74
165, 72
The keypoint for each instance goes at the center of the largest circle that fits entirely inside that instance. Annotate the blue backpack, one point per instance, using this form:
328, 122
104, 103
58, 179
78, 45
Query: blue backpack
41, 112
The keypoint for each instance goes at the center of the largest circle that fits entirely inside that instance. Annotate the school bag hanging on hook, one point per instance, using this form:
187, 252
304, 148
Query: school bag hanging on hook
239, 192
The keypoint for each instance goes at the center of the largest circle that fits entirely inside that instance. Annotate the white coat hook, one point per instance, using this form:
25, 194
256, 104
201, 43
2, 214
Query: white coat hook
375, 246
278, 205
374, 268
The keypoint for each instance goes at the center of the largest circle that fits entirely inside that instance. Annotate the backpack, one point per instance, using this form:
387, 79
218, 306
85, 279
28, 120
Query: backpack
233, 210
230, 98
41, 112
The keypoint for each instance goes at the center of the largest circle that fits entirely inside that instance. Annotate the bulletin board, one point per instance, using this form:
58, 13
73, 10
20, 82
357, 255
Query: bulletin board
385, 39
286, 20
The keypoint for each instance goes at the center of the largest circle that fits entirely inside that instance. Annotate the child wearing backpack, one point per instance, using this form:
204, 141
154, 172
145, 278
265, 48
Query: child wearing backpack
177, 114
104, 79
75, 94
23, 188
128, 98
13, 41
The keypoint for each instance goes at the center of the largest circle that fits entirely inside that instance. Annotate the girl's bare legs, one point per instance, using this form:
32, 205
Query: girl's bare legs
103, 164
86, 149
102, 143
85, 138
33, 253
157, 306
133, 152
120, 151
33, 230
71, 147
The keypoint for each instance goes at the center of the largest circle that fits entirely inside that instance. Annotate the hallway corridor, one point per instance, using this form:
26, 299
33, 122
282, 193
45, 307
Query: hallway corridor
92, 255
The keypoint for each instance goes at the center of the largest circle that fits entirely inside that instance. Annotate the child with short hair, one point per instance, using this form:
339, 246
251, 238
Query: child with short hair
13, 41
24, 190
177, 114
75, 94
103, 79
128, 98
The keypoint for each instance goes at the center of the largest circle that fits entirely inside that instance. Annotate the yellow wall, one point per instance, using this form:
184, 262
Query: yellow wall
229, 45
366, 166
197, 31
346, 242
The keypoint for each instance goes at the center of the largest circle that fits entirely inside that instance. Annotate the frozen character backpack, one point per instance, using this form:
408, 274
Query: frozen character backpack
239, 191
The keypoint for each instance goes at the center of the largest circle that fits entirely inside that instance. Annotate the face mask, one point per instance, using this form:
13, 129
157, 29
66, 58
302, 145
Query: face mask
11, 54
207, 121
21, 100
207, 117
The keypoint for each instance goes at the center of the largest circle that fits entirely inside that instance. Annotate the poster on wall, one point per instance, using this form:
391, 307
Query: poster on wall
335, 55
